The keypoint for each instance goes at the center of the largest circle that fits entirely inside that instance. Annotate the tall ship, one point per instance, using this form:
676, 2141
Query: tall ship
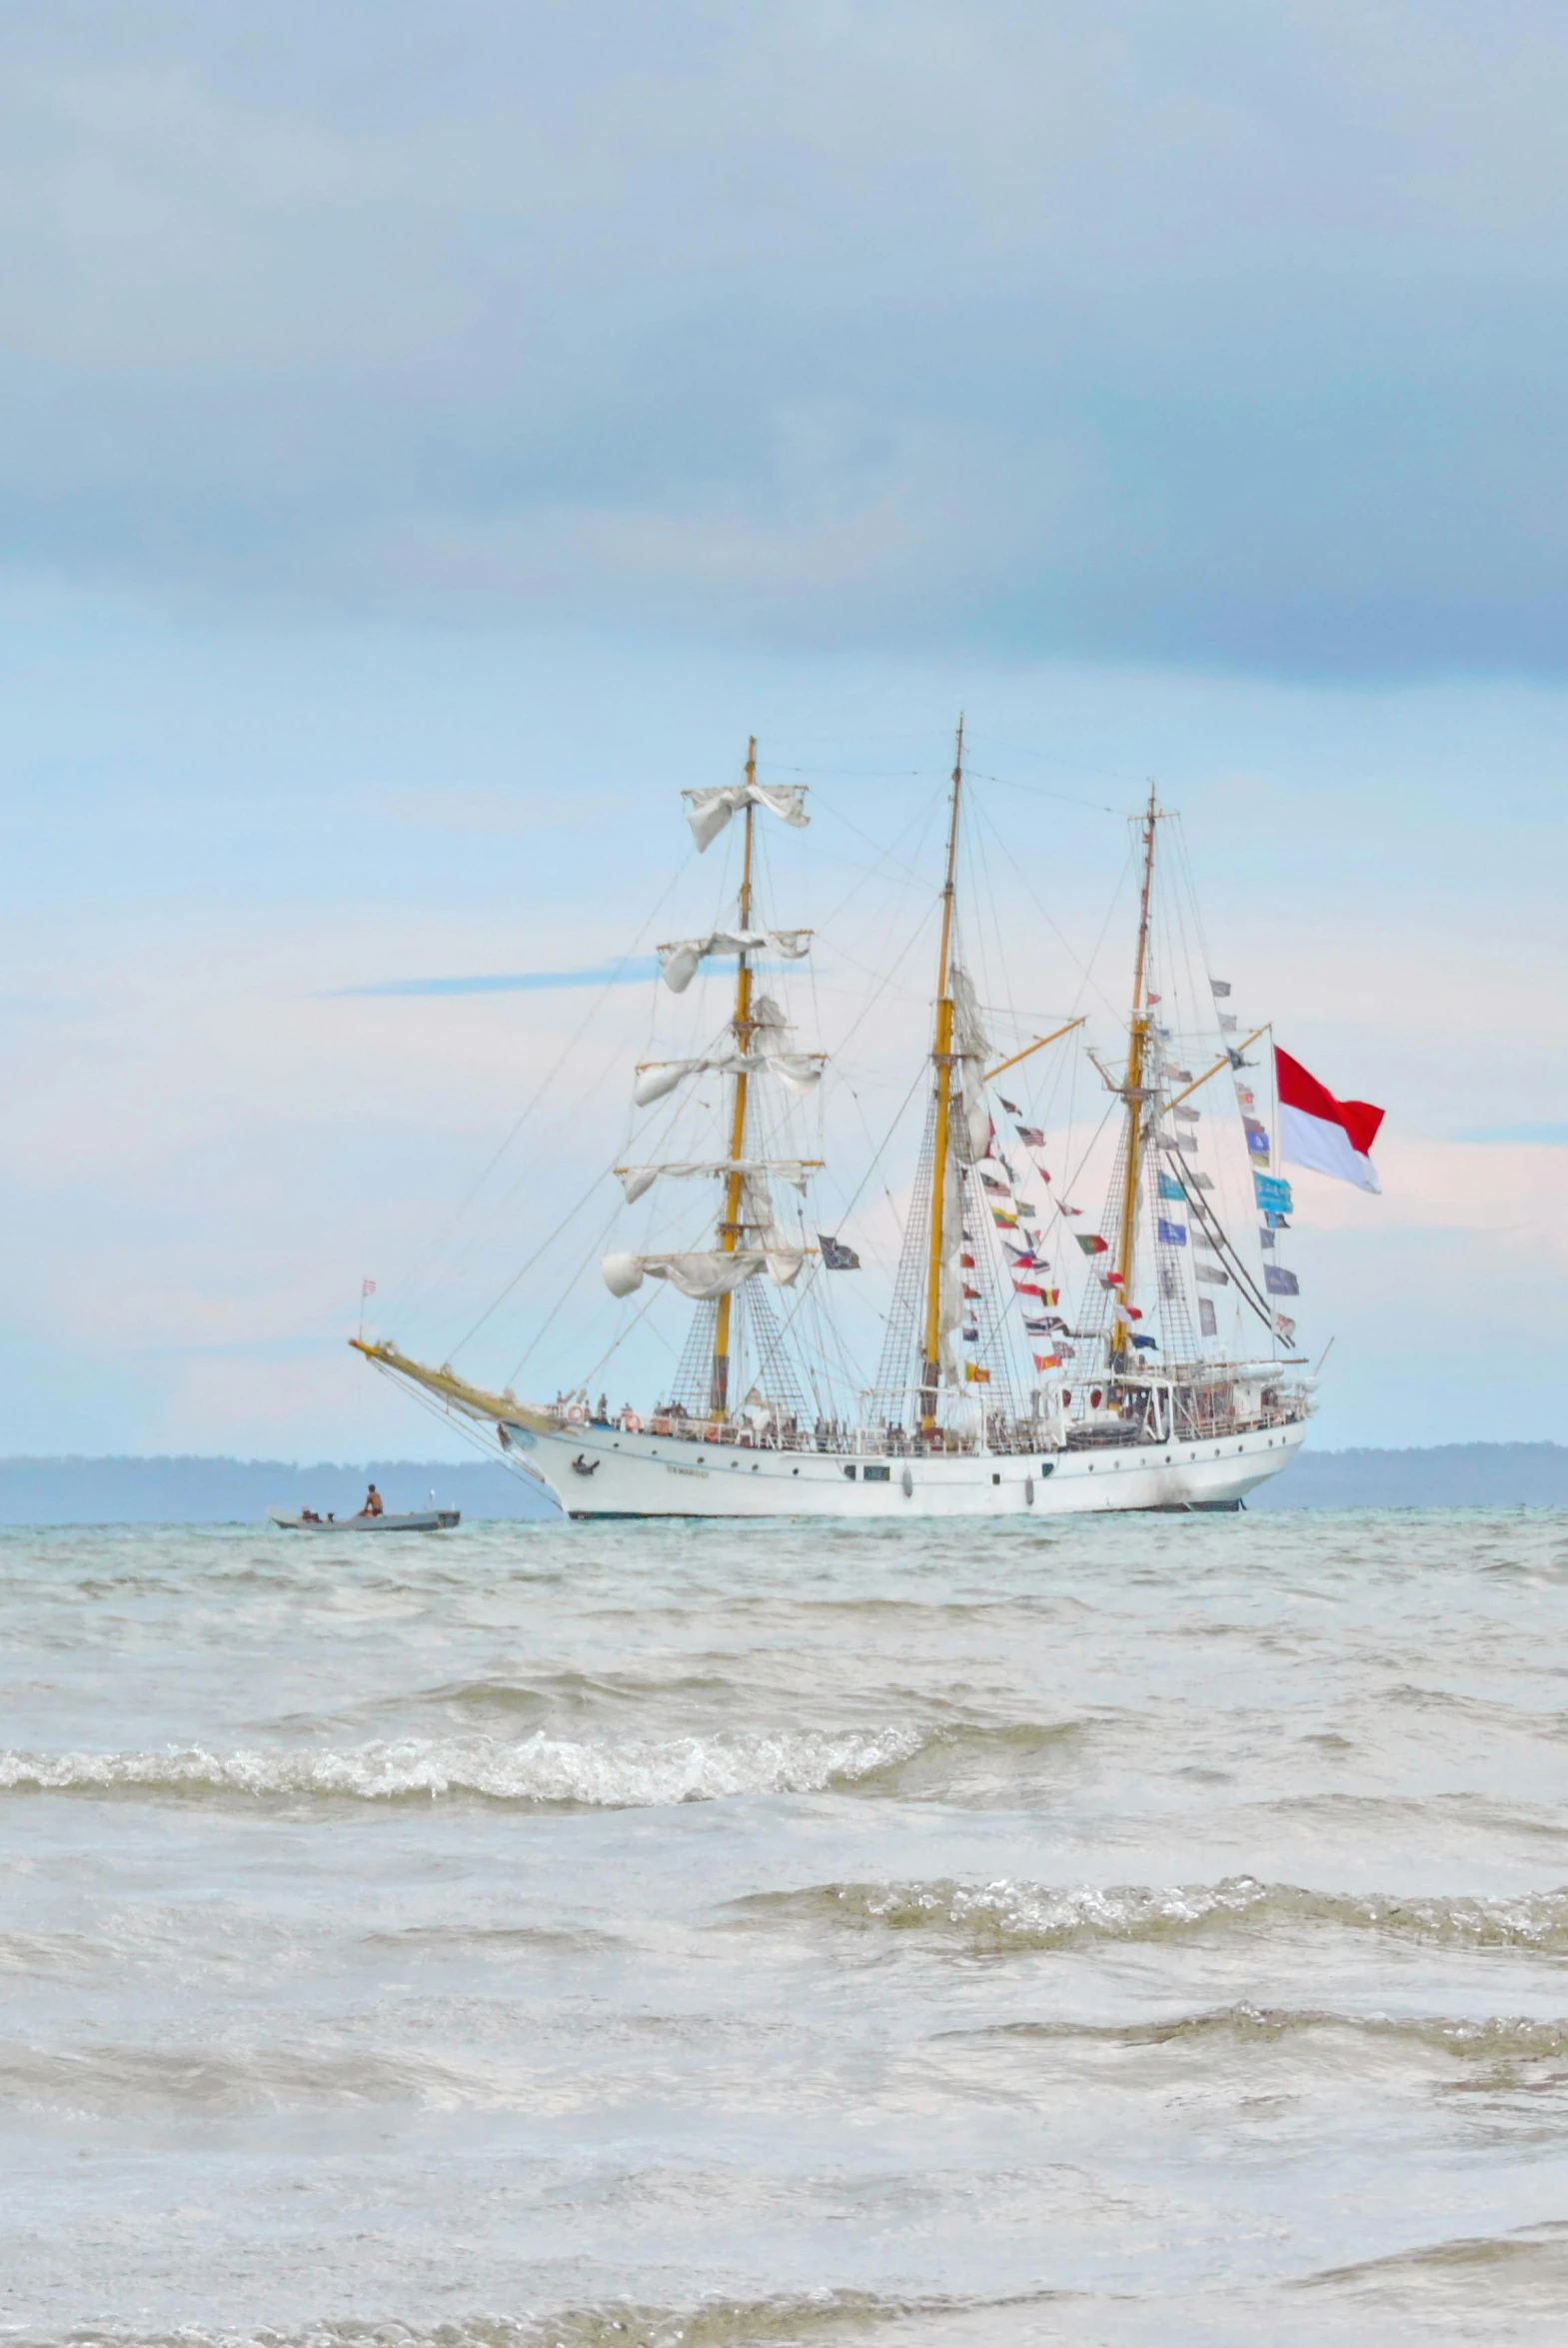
1032, 1357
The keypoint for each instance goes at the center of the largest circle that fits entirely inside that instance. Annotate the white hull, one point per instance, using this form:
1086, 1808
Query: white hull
663, 1475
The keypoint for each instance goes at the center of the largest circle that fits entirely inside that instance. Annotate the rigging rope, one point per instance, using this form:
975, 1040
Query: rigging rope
415, 1279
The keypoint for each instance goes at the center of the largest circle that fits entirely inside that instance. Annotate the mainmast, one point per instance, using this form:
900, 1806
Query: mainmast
1134, 1092
942, 1061
729, 1229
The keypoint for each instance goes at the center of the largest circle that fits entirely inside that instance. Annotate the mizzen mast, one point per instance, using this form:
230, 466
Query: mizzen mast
942, 1061
731, 1227
1134, 1094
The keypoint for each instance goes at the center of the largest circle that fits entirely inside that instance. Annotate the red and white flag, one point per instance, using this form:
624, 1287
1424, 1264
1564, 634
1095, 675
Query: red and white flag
1316, 1131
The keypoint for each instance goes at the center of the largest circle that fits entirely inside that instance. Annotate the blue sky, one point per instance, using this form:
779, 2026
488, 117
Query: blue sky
438, 435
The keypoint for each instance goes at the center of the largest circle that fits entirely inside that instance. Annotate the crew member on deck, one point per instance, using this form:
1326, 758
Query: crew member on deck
374, 1504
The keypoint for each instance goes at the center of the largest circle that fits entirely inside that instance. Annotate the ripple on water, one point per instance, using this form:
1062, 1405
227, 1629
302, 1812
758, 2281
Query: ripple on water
1006, 1916
1149, 1928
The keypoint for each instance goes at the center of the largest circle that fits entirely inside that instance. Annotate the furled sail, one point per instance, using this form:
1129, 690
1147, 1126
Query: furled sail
969, 1139
972, 1049
701, 1273
678, 961
785, 1257
710, 810
798, 1071
635, 1180
949, 1286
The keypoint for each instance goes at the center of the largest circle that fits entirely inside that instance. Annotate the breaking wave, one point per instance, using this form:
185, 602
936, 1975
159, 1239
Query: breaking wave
548, 1770
1005, 1916
793, 2320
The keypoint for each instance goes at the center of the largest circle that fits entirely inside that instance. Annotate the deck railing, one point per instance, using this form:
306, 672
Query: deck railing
1192, 1422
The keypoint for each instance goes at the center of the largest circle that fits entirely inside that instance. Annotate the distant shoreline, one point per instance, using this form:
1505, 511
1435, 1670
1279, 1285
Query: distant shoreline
195, 1491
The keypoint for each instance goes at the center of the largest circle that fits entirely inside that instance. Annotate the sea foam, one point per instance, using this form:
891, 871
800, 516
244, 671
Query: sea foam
1009, 1916
539, 1768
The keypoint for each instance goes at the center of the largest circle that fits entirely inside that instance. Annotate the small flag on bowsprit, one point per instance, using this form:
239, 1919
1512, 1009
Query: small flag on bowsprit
837, 1257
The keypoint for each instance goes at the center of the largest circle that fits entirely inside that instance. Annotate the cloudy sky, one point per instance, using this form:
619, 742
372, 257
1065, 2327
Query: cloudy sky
437, 433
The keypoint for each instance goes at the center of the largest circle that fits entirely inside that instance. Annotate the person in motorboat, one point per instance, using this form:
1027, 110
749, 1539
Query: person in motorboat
309, 1516
374, 1503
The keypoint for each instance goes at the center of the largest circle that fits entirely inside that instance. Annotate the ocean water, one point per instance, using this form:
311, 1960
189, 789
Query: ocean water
1145, 1931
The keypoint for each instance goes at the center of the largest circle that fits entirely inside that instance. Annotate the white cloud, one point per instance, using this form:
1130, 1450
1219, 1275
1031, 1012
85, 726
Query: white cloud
1230, 340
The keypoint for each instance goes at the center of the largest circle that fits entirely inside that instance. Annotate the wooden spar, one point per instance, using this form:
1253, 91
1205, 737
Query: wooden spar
1168, 1106
942, 1059
1038, 1045
729, 1229
1132, 1090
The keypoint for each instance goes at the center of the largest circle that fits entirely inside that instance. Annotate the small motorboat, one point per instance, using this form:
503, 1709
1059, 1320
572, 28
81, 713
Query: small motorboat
415, 1521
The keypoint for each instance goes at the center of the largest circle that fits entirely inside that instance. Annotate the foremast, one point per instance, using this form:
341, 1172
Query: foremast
1134, 1094
729, 1229
941, 1061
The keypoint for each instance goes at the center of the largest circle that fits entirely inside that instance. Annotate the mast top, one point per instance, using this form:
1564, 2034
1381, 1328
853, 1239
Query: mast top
951, 884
